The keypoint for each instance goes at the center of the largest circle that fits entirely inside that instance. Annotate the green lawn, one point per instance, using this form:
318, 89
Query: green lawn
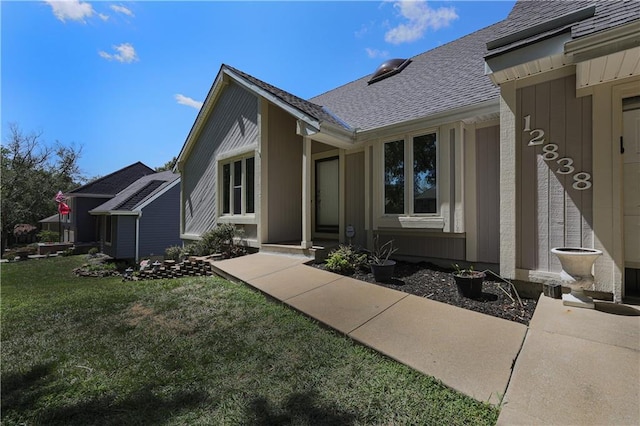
193, 351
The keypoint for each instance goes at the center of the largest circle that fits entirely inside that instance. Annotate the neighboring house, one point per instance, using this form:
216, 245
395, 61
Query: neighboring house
52, 223
143, 219
491, 149
80, 226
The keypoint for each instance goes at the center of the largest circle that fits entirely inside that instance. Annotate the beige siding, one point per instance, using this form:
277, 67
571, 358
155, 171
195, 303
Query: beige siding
354, 196
488, 193
551, 212
285, 178
231, 125
427, 246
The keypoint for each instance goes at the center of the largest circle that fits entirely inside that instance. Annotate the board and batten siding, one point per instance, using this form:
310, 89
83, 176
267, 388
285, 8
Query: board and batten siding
232, 124
354, 197
551, 212
285, 177
159, 225
488, 193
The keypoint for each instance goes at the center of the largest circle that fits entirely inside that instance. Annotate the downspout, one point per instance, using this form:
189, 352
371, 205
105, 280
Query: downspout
138, 236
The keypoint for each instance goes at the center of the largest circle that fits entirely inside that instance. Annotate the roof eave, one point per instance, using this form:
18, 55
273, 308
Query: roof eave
467, 114
327, 133
602, 43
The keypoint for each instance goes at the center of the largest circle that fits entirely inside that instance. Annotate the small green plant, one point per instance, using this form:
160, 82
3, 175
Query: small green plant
93, 251
345, 260
381, 252
222, 240
174, 253
466, 272
68, 252
47, 236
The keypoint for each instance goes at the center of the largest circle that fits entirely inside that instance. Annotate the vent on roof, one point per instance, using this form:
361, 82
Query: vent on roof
389, 68
134, 199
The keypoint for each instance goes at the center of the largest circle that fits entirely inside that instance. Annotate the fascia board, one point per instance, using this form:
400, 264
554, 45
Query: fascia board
203, 114
273, 99
603, 43
446, 117
114, 213
543, 48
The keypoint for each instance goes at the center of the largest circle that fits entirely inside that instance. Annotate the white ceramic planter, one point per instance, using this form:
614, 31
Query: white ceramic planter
577, 263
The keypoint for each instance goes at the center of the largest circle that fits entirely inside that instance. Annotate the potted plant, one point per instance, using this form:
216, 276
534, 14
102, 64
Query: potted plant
381, 266
468, 281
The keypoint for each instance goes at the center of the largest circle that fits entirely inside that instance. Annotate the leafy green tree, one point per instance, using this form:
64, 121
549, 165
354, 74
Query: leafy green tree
32, 173
168, 166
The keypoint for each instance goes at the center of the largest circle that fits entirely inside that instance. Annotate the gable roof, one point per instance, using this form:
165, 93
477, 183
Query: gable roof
318, 112
442, 79
134, 196
115, 182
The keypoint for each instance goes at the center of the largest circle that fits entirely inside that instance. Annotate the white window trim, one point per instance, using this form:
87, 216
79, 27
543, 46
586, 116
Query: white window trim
227, 158
410, 219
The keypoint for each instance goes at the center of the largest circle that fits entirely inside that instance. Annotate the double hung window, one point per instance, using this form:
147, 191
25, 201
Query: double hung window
414, 161
238, 186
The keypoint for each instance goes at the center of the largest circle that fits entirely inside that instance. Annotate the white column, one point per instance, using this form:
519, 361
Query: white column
306, 193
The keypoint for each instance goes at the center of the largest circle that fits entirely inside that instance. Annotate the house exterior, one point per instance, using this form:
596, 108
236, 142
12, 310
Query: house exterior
81, 227
52, 223
490, 150
142, 220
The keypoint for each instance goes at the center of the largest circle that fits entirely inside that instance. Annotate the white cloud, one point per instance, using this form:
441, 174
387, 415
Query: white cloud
375, 53
185, 100
74, 10
125, 53
420, 18
122, 9
103, 16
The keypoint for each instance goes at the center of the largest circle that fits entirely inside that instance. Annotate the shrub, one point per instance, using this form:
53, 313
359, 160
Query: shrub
68, 252
345, 260
174, 253
93, 251
221, 239
47, 236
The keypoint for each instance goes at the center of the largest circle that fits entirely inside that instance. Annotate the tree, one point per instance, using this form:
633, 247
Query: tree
168, 166
32, 173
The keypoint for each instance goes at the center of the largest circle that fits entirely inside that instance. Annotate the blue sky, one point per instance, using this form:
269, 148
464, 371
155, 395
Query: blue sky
125, 80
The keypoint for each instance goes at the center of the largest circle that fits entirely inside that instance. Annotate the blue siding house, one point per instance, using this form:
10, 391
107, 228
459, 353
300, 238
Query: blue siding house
143, 219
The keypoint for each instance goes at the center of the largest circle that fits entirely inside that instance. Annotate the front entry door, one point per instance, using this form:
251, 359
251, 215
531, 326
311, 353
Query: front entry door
631, 188
327, 195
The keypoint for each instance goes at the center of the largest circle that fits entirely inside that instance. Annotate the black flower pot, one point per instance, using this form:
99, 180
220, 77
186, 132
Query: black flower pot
383, 271
469, 284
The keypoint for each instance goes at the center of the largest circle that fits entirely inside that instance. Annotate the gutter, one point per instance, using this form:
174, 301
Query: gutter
605, 42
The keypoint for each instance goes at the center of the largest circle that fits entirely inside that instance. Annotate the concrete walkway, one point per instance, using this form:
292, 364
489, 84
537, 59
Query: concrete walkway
472, 352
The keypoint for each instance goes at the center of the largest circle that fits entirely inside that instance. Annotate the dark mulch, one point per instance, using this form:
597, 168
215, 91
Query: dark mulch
433, 282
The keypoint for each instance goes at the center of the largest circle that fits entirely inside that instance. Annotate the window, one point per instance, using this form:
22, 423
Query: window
394, 177
238, 186
420, 153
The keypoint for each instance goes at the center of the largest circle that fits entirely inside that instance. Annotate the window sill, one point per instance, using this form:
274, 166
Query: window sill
411, 222
249, 219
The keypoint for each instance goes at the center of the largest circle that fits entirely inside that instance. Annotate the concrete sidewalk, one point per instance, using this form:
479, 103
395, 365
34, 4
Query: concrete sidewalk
472, 352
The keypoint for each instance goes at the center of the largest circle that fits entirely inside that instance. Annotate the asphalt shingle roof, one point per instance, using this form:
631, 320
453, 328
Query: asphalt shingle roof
115, 182
309, 108
448, 77
138, 192
528, 14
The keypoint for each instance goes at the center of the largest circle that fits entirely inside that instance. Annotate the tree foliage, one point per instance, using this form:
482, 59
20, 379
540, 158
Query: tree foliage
168, 166
32, 173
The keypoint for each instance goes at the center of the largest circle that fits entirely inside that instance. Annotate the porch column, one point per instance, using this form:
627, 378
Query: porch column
306, 193
508, 184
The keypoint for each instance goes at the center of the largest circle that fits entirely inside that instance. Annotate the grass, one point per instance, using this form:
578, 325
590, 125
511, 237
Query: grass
193, 351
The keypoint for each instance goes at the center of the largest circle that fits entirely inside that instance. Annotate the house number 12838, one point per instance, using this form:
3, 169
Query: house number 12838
581, 180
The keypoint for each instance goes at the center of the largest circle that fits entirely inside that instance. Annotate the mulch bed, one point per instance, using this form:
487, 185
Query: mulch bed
433, 282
